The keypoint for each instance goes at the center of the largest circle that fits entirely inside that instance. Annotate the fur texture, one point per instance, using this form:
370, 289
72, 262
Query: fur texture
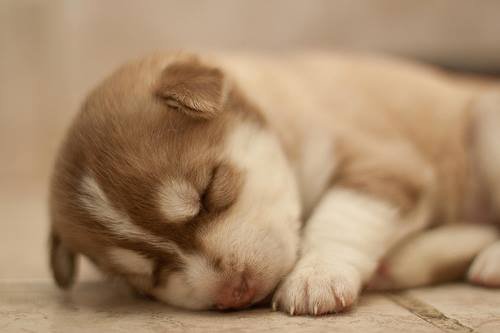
190, 178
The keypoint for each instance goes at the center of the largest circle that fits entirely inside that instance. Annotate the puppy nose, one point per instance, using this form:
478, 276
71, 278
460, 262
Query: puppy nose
235, 294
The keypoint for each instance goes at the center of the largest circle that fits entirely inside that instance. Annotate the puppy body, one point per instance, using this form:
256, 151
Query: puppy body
381, 149
188, 177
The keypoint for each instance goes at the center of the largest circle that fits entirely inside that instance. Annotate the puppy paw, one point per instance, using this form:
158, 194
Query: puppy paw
485, 269
317, 289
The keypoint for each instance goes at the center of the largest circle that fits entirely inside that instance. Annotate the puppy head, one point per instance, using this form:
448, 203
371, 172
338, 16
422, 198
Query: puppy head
170, 179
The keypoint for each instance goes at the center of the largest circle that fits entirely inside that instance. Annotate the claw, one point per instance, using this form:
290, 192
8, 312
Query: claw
292, 310
315, 310
275, 306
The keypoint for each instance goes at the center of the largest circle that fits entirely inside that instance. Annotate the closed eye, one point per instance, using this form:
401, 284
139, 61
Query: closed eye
204, 201
222, 189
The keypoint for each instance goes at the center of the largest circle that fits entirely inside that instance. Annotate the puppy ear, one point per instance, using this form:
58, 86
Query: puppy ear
193, 88
62, 262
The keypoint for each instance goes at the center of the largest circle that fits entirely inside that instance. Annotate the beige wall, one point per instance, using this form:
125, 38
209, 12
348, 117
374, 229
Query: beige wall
52, 52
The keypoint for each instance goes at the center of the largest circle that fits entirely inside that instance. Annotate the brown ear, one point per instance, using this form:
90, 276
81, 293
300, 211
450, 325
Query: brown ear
62, 262
193, 88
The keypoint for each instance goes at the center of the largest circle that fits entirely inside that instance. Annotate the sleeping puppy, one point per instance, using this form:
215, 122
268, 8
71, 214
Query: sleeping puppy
212, 182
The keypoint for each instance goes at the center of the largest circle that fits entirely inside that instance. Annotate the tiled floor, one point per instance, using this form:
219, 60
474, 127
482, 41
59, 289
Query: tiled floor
38, 306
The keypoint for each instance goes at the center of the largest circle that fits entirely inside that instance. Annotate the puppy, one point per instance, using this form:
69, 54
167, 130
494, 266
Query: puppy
212, 182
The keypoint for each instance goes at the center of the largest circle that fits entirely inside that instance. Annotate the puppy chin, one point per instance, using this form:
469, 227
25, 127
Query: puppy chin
180, 292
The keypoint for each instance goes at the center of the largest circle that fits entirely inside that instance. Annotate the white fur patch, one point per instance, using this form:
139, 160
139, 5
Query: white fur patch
97, 204
268, 203
316, 168
351, 227
178, 200
267, 173
130, 261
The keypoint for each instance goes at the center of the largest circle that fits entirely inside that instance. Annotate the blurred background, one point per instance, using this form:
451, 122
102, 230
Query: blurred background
52, 52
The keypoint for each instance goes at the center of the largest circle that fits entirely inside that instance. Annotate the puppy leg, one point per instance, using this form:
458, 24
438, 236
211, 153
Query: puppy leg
433, 256
343, 241
486, 143
485, 269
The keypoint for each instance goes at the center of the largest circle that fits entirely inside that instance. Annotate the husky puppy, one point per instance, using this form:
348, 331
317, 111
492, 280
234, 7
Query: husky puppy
215, 181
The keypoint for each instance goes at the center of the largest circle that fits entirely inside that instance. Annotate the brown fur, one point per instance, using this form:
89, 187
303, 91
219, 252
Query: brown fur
401, 132
129, 162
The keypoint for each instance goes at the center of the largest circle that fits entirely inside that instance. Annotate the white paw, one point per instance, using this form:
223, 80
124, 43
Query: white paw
316, 289
485, 269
